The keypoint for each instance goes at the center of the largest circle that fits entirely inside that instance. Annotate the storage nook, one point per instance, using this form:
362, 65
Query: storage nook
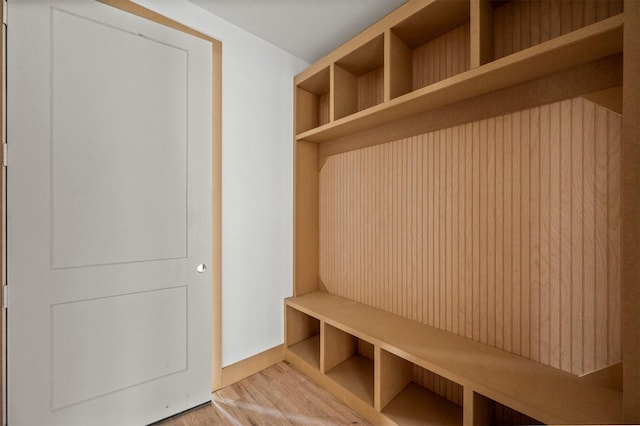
459, 223
303, 337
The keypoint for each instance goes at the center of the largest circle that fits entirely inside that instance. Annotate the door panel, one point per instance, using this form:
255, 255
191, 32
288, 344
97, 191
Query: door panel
124, 150
109, 214
111, 335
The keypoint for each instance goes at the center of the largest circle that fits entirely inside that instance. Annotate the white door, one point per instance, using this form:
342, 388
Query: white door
109, 216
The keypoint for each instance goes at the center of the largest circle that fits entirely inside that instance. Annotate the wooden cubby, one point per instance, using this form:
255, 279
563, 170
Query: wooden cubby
303, 336
521, 24
348, 361
312, 101
436, 175
358, 79
411, 395
490, 412
428, 46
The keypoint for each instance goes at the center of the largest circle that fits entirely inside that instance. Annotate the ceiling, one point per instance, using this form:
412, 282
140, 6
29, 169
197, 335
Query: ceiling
308, 29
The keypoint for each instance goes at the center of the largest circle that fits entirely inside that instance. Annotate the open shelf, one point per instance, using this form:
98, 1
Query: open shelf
415, 405
349, 362
359, 79
312, 101
356, 375
411, 395
428, 46
303, 336
488, 411
582, 46
308, 350
518, 25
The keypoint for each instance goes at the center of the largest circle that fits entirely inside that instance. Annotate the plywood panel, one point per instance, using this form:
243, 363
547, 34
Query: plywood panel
504, 230
525, 23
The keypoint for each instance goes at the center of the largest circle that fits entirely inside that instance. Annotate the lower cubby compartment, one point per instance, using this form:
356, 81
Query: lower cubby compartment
411, 395
488, 411
303, 336
348, 361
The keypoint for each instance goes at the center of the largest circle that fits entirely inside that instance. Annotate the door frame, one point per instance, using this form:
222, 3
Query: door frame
216, 190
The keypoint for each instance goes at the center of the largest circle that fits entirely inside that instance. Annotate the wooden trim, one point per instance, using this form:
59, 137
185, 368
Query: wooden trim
136, 9
630, 213
305, 217
245, 368
216, 220
2, 236
216, 184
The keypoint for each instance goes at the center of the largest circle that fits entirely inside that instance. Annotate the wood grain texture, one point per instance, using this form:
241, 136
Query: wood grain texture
481, 28
437, 384
336, 347
370, 89
513, 213
442, 57
627, 267
520, 24
539, 391
395, 374
299, 326
278, 395
242, 369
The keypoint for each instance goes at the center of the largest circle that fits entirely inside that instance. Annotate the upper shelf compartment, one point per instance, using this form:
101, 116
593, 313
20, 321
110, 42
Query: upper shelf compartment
520, 24
312, 101
589, 43
359, 79
429, 46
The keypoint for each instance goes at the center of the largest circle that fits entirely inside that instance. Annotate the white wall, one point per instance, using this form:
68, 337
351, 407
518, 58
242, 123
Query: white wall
257, 186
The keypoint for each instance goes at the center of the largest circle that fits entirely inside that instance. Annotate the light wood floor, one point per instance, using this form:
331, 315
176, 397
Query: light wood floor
279, 395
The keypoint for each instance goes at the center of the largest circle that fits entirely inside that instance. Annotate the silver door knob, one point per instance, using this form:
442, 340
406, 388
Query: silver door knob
201, 268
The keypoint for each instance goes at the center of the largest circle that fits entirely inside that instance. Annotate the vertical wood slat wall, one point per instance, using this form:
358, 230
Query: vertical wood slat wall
442, 57
370, 89
524, 23
504, 230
